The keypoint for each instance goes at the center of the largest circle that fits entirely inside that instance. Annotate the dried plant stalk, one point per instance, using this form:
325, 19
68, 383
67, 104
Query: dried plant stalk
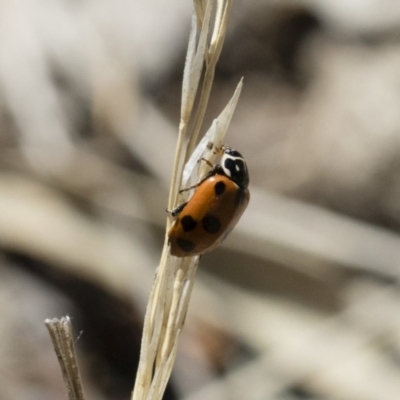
169, 298
60, 331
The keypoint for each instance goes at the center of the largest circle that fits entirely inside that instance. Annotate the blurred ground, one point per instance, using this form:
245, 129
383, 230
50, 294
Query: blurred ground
302, 301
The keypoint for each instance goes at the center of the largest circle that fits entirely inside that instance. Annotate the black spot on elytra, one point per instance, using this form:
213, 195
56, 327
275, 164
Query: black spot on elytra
240, 194
219, 188
188, 223
211, 224
186, 245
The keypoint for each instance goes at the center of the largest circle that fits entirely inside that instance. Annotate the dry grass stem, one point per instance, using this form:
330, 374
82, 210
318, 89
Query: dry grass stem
60, 331
174, 279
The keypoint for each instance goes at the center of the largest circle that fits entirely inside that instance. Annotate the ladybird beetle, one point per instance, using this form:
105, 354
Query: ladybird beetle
214, 209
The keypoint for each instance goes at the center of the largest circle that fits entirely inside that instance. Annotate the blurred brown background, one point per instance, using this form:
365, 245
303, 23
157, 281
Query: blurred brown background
302, 301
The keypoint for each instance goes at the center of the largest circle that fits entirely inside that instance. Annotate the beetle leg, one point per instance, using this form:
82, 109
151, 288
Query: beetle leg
177, 210
219, 150
214, 170
206, 161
